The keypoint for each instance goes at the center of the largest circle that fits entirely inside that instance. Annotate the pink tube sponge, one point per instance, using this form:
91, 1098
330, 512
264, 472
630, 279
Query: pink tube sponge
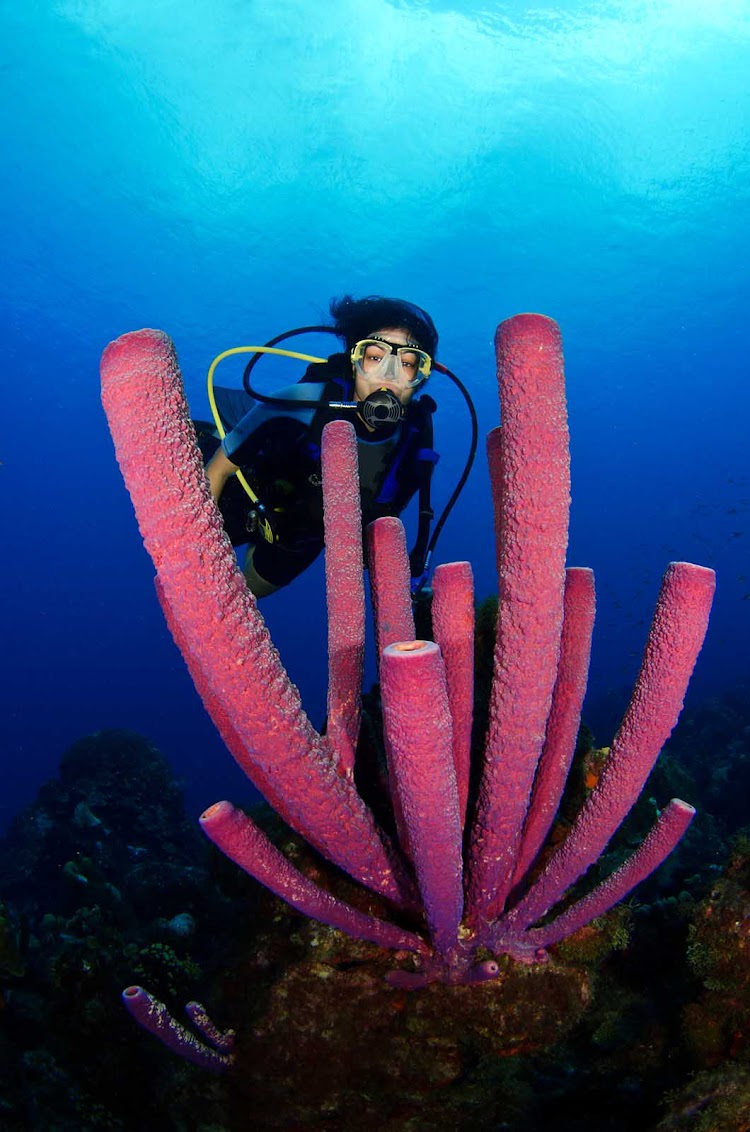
419, 746
216, 620
453, 626
239, 837
674, 641
564, 717
531, 491
346, 591
540, 663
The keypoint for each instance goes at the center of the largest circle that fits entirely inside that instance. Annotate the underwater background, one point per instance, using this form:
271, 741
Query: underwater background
221, 170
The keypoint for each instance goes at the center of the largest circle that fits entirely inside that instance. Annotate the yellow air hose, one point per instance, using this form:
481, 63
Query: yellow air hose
212, 400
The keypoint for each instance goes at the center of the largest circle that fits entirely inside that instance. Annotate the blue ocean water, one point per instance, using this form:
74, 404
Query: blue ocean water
221, 170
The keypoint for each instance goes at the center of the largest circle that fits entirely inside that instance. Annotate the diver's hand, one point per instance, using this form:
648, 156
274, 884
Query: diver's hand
218, 470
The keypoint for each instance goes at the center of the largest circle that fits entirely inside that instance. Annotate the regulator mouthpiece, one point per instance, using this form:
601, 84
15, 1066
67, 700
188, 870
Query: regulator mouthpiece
381, 408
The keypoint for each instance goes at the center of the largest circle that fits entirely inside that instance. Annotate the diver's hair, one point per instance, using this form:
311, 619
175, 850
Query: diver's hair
354, 319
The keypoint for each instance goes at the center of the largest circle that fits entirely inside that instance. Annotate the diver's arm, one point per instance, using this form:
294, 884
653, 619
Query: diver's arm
244, 441
218, 470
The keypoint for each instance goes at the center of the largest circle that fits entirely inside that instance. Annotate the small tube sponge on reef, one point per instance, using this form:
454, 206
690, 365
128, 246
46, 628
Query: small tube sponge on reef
459, 908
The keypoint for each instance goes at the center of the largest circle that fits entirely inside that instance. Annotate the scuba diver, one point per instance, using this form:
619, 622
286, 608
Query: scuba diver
390, 347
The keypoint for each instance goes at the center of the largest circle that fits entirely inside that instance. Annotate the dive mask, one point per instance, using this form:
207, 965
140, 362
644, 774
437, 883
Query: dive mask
376, 359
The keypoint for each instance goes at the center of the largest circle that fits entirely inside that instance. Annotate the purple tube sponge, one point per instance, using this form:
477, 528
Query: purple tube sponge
459, 909
153, 1015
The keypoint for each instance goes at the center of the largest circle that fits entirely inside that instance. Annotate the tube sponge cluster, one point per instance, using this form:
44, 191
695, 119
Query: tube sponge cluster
456, 872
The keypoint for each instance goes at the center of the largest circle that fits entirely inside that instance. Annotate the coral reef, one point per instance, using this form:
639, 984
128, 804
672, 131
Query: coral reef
718, 1024
327, 1048
93, 875
646, 1002
455, 916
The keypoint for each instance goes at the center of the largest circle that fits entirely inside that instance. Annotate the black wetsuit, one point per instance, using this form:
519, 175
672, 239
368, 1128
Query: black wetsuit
278, 450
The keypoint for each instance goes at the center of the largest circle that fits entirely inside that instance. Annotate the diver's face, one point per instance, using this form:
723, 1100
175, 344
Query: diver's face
364, 385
